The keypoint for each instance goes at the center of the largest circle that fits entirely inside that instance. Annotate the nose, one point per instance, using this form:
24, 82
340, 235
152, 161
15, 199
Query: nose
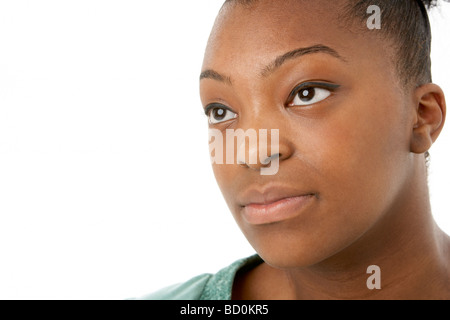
264, 156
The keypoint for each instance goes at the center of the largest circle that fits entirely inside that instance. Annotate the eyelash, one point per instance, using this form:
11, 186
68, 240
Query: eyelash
211, 107
310, 85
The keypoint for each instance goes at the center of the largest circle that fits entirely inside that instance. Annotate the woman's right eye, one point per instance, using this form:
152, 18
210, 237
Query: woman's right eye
219, 113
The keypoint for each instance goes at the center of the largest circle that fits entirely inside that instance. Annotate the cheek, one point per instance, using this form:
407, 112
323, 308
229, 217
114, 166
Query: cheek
359, 158
225, 175
223, 172
361, 147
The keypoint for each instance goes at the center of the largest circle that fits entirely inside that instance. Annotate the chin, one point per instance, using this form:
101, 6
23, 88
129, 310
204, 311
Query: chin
292, 259
294, 248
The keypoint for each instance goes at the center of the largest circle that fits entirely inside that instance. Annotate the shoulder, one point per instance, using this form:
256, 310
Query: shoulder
189, 290
205, 286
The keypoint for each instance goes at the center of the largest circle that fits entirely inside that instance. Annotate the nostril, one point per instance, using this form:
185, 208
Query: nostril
271, 158
242, 164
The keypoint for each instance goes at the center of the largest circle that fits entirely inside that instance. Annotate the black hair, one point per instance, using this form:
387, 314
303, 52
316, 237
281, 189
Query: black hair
405, 23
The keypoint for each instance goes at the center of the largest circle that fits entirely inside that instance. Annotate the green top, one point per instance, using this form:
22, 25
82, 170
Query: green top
206, 286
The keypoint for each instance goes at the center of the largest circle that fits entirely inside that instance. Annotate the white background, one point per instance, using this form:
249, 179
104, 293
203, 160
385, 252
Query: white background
106, 190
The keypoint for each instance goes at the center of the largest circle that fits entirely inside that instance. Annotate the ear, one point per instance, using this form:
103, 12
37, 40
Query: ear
429, 117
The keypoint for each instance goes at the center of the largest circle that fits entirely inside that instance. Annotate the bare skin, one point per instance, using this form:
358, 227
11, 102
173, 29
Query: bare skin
357, 148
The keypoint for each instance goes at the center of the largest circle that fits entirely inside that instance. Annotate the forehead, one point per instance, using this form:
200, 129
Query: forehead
245, 36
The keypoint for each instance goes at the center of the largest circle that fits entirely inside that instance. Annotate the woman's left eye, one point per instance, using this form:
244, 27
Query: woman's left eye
305, 95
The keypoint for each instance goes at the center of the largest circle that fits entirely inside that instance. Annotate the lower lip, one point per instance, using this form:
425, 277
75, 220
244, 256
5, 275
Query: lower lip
284, 209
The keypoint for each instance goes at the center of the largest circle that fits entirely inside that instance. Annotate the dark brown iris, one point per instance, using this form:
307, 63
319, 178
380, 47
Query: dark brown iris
219, 114
307, 95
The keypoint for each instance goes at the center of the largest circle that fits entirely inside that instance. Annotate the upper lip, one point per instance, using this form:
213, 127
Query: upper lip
267, 194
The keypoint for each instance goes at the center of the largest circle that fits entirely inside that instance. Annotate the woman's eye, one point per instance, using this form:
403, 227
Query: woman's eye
308, 96
217, 114
311, 92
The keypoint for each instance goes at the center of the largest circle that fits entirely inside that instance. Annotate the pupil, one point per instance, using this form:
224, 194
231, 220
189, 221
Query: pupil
307, 94
219, 114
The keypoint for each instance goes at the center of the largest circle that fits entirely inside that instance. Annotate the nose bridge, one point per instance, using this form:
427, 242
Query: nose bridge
266, 138
260, 111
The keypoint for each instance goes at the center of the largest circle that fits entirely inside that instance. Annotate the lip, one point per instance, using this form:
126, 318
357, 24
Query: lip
274, 204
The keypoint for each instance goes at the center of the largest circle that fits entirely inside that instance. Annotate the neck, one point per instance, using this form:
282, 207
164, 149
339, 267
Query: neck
409, 271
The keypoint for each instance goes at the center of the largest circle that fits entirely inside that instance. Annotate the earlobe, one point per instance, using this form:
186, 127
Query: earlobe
429, 118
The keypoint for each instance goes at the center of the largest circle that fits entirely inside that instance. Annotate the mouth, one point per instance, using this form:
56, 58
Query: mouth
274, 205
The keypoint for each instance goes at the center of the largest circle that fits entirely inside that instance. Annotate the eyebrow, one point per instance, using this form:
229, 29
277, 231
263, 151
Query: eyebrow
211, 74
277, 63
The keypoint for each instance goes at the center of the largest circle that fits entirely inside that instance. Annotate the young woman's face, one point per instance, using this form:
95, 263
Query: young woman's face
344, 134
